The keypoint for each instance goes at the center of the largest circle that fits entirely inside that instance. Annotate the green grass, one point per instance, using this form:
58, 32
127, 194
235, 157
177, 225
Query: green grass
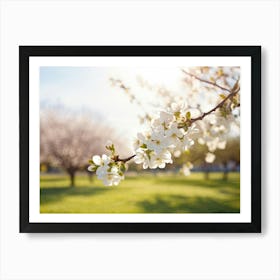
142, 194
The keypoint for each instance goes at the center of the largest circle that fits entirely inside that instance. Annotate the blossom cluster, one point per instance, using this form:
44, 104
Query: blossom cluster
167, 133
186, 168
108, 168
213, 132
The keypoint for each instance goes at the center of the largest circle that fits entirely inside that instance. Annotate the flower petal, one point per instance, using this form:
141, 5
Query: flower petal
91, 168
105, 159
96, 160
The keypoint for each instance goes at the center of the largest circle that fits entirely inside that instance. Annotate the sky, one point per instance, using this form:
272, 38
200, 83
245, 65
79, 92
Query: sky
88, 89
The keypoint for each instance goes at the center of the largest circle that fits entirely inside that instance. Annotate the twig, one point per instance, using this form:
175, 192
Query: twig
205, 81
124, 160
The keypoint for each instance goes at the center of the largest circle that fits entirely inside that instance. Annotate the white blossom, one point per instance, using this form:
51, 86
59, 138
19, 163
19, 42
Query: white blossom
174, 132
222, 145
100, 161
158, 142
142, 157
107, 169
154, 147
210, 157
186, 168
110, 177
177, 153
165, 118
177, 107
160, 160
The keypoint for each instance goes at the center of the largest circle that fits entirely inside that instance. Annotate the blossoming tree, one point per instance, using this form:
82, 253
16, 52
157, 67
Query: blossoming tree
181, 121
66, 139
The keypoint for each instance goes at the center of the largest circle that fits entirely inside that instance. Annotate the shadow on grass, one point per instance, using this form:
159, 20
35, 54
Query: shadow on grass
215, 183
150, 202
52, 179
55, 194
182, 204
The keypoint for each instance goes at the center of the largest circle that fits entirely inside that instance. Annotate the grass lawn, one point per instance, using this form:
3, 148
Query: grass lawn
142, 194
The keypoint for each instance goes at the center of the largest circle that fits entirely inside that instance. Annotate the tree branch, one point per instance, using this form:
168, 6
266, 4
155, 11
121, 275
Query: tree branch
191, 121
206, 81
124, 160
232, 92
215, 108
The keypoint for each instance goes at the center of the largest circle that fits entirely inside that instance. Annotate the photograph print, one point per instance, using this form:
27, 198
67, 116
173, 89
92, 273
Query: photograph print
135, 141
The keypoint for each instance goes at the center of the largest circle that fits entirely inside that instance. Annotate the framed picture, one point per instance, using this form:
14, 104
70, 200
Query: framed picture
140, 138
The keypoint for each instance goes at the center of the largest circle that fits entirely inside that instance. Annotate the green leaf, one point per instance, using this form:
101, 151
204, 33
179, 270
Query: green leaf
111, 148
188, 115
122, 168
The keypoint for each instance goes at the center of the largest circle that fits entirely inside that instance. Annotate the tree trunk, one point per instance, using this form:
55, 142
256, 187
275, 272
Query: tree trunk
225, 173
90, 176
72, 177
206, 172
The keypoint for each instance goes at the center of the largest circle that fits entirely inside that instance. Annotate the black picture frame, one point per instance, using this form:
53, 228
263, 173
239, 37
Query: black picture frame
25, 52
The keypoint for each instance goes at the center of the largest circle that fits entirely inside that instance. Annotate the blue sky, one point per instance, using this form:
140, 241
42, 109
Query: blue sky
88, 89
74, 87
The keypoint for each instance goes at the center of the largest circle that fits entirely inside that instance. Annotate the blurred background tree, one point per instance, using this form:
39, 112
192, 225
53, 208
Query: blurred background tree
67, 140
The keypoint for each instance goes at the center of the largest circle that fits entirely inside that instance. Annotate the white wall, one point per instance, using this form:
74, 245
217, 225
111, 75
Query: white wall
139, 256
